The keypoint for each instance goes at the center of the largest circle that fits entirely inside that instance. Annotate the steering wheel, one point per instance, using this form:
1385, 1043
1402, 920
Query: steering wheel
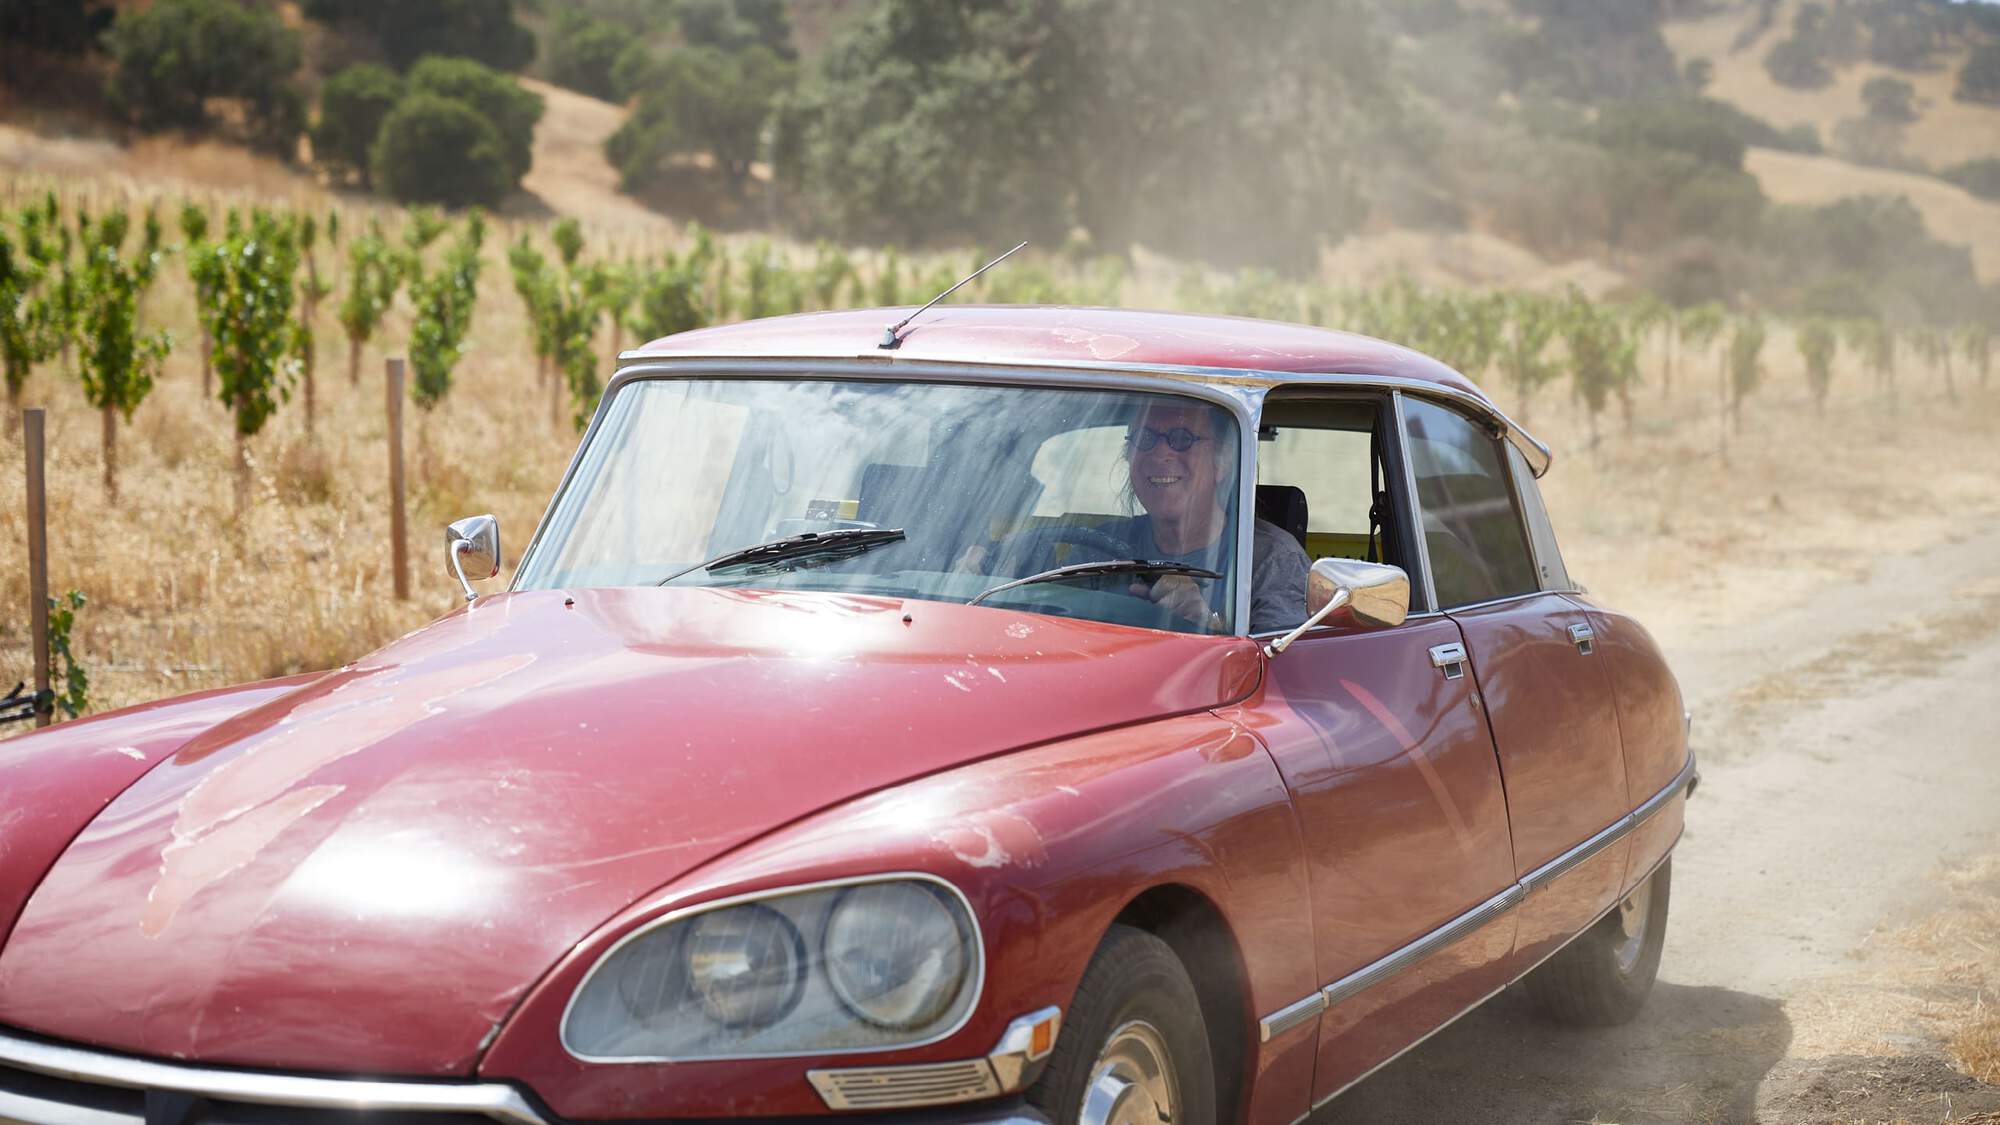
1032, 550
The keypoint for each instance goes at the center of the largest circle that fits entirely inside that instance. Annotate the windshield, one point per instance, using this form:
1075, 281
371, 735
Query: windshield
987, 483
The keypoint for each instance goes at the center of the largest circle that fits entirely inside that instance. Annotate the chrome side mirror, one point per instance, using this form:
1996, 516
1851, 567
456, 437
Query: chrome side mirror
1372, 595
472, 547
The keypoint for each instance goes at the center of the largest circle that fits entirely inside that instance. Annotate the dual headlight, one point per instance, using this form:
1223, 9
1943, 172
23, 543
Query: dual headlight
855, 966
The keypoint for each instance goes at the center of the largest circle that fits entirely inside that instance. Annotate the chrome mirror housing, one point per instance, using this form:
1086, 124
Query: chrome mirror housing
1372, 595
472, 547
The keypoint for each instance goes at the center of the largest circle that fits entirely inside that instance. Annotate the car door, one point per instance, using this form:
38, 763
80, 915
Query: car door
1380, 739
1533, 661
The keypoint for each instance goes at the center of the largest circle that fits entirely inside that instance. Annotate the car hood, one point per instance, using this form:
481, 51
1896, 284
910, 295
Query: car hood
366, 872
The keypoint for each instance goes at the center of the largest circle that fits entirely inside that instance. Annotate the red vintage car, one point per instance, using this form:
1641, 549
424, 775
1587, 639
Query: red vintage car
1037, 715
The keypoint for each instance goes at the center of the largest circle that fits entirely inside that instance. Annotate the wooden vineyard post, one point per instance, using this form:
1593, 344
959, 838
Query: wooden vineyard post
399, 543
38, 555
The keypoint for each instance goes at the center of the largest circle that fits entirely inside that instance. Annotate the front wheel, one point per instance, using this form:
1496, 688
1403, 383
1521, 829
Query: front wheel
1604, 976
1133, 1049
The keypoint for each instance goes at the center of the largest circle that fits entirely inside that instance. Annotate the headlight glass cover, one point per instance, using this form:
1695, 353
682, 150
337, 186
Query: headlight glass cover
852, 966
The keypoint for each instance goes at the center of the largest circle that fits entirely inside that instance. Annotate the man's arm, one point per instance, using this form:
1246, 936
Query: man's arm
1278, 567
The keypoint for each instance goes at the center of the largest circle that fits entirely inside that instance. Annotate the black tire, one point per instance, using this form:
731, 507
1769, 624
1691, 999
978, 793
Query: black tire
1587, 984
1134, 977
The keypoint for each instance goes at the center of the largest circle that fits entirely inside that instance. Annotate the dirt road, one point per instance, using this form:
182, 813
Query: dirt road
1850, 751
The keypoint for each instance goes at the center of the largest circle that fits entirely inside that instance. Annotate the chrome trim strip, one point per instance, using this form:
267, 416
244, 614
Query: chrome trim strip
1381, 970
1003, 1070
19, 1109
904, 1087
1561, 865
1537, 453
1415, 507
1658, 801
500, 1102
1539, 962
1437, 614
703, 907
1395, 962
1296, 1014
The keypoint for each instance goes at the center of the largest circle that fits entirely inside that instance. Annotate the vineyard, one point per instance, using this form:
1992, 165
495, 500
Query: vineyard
212, 369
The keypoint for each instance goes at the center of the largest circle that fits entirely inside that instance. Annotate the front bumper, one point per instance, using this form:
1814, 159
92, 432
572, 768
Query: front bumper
47, 1083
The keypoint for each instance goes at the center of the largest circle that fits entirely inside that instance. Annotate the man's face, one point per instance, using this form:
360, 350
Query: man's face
1174, 483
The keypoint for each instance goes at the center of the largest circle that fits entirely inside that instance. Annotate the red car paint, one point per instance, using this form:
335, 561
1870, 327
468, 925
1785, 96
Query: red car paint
1064, 337
405, 867
365, 874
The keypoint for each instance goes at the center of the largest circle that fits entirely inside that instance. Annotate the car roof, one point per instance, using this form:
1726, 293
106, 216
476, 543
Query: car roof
1220, 349
1067, 335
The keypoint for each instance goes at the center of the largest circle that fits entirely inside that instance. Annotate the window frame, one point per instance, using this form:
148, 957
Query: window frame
1400, 485
1539, 526
1498, 436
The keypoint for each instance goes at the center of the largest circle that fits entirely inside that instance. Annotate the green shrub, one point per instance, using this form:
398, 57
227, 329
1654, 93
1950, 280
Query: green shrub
352, 105
732, 25
511, 110
407, 30
1796, 63
439, 150
1890, 99
68, 27
583, 53
1905, 35
171, 58
444, 300
1979, 78
701, 100
633, 70
1803, 137
1980, 177
1702, 128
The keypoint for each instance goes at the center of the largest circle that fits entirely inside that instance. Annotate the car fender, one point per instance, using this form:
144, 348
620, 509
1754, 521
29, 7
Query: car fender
1049, 845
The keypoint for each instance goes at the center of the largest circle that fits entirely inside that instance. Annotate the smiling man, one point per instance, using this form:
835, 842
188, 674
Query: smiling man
1178, 471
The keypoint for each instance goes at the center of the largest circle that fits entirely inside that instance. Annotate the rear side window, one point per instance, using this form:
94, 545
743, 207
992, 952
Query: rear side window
1548, 560
1472, 530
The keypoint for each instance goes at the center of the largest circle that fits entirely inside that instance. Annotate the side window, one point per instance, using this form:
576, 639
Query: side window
1472, 531
1318, 476
1329, 468
1548, 559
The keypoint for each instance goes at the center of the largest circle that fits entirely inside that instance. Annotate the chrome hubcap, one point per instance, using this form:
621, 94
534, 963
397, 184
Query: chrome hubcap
1632, 917
1132, 1082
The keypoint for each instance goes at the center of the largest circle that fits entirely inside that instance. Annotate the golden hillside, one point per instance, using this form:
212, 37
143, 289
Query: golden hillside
1948, 132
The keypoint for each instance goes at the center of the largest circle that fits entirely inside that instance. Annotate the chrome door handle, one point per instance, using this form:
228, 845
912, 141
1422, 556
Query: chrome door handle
1449, 657
1583, 636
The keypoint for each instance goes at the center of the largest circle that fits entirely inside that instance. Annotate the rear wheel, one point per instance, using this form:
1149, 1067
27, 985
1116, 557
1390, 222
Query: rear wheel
1133, 1048
1604, 976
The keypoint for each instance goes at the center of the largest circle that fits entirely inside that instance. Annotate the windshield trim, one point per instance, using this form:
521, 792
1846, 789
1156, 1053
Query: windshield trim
1240, 401
1255, 379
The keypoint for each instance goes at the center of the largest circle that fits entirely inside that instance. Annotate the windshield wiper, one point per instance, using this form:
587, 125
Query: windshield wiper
824, 546
1092, 569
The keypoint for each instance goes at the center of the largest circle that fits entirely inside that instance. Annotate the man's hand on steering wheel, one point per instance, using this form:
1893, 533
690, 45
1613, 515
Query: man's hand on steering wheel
1180, 595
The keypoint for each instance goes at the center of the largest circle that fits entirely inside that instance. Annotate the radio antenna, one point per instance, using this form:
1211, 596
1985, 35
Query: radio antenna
891, 336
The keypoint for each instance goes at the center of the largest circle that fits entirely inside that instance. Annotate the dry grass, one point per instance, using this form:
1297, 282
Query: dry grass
1932, 981
570, 174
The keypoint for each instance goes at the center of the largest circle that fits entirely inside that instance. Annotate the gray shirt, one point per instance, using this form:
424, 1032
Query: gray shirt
1278, 568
